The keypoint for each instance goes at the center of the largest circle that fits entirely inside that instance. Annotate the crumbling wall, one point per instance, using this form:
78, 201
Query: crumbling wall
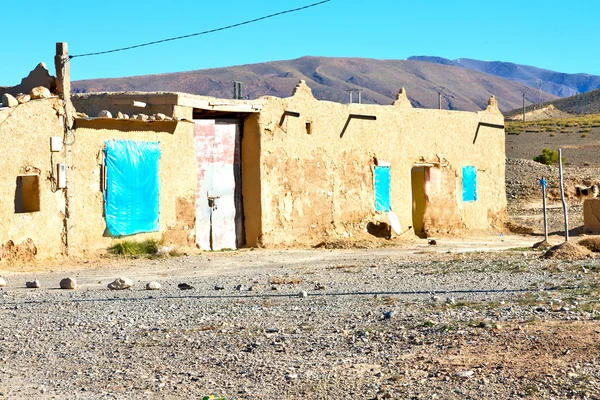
317, 160
26, 130
39, 76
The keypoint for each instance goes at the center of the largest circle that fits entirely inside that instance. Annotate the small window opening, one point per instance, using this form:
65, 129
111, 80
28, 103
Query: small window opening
27, 194
469, 183
382, 188
309, 128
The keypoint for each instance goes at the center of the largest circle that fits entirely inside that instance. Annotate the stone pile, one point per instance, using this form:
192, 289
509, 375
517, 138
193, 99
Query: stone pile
39, 92
139, 117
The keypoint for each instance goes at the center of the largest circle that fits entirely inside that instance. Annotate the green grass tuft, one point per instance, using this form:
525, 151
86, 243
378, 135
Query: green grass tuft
131, 248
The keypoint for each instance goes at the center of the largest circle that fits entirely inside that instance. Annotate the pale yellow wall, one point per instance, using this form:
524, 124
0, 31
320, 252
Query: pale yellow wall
177, 172
320, 186
25, 132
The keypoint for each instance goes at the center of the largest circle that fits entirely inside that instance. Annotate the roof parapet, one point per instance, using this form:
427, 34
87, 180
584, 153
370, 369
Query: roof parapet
493, 105
302, 90
402, 100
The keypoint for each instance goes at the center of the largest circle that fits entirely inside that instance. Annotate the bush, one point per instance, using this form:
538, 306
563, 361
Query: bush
548, 157
131, 248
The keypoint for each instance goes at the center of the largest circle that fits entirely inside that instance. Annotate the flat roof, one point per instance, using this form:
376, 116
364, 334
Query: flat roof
180, 99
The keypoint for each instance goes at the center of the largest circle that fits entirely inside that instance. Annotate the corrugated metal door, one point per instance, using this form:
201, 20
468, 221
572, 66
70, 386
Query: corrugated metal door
219, 216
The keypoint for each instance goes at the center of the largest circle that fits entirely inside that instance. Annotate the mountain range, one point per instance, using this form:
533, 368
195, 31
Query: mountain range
557, 83
463, 85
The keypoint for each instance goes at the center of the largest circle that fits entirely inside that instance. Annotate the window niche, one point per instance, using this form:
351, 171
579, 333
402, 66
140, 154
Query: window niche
27, 194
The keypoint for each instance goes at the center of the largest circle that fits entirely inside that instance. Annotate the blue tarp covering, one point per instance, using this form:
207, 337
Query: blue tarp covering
131, 196
469, 183
382, 188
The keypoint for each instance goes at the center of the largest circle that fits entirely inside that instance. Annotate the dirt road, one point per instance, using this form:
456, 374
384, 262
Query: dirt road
457, 320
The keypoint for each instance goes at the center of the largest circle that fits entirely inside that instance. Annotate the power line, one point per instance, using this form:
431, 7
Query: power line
202, 33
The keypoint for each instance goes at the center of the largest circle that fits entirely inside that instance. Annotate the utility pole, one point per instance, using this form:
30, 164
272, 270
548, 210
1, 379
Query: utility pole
63, 87
352, 90
562, 195
238, 91
440, 96
538, 84
524, 91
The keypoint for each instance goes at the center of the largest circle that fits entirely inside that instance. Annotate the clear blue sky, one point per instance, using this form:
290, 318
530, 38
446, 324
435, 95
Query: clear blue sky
548, 34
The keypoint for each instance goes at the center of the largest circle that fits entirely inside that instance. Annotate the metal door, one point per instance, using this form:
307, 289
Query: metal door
218, 196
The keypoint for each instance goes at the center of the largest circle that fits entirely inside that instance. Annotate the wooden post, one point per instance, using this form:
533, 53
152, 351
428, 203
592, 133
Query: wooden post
562, 195
63, 86
543, 182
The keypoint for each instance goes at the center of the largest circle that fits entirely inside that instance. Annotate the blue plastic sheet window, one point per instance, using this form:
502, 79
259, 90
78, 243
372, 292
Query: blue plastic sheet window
382, 188
469, 183
131, 198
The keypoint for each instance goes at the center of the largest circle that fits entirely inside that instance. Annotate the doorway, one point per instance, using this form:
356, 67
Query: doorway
219, 216
419, 201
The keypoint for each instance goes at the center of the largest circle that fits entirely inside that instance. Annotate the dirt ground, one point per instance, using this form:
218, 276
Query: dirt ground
479, 318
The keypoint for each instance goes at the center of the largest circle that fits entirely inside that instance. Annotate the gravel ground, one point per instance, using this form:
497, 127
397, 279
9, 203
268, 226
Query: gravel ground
413, 322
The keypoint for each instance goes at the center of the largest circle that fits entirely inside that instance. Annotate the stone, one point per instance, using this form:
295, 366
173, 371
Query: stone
389, 314
120, 284
142, 117
464, 374
164, 250
23, 98
68, 283
35, 284
8, 100
185, 286
40, 92
319, 286
160, 116
153, 286
125, 116
291, 376
104, 114
120, 115
302, 294
219, 287
240, 288
2, 282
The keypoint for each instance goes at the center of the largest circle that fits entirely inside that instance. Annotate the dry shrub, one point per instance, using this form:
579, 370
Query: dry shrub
591, 243
347, 244
518, 228
285, 280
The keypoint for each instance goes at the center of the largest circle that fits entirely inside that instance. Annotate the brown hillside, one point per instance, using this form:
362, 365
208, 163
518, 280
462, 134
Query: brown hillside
330, 79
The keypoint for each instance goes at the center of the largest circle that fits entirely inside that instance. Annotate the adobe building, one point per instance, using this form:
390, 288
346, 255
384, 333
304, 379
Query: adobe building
55, 204
222, 173
299, 171
314, 170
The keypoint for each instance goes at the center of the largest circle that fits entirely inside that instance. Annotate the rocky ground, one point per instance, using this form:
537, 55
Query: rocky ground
415, 322
407, 322
524, 195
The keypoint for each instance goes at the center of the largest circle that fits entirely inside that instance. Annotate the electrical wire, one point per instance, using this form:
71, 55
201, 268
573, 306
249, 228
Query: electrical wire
201, 33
